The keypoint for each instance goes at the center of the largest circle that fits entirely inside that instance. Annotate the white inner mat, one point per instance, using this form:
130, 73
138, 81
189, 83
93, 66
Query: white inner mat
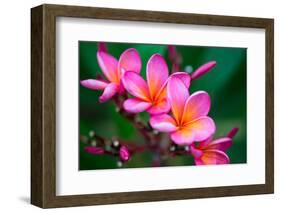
71, 181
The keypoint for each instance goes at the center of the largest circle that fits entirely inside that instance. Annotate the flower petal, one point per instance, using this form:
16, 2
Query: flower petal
129, 61
221, 144
109, 66
183, 136
135, 85
162, 93
197, 105
163, 123
197, 153
213, 157
198, 162
177, 95
205, 142
202, 128
160, 107
203, 69
110, 90
135, 105
156, 73
185, 77
94, 84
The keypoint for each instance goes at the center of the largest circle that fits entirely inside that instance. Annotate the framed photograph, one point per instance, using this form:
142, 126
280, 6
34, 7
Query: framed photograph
136, 106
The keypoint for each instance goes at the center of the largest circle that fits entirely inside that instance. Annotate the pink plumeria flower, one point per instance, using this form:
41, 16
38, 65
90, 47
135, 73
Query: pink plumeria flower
113, 71
150, 96
212, 152
189, 121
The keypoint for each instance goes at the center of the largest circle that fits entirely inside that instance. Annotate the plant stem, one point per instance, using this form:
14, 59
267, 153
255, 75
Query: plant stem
145, 130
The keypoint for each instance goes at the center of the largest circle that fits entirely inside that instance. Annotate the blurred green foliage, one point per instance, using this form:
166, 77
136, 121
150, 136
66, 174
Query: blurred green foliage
226, 84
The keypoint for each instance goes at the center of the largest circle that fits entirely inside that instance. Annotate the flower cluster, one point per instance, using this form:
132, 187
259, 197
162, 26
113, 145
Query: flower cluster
166, 97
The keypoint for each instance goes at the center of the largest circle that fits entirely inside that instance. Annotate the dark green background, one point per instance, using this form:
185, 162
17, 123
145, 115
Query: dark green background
226, 84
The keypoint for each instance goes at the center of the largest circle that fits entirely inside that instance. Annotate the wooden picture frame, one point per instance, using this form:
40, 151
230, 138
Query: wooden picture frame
43, 105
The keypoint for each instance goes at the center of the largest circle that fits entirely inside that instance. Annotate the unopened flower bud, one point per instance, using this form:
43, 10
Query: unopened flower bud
119, 163
232, 132
203, 69
94, 150
91, 134
124, 153
115, 143
93, 143
188, 69
172, 148
155, 132
108, 147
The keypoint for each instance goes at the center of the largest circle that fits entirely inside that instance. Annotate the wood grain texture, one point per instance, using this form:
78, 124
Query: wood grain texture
269, 114
43, 105
36, 106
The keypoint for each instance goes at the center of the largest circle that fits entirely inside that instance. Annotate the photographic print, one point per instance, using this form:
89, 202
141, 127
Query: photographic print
152, 105
185, 95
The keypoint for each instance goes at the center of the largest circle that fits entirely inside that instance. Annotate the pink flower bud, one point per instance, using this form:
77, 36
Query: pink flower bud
172, 52
232, 132
203, 69
94, 150
102, 46
124, 153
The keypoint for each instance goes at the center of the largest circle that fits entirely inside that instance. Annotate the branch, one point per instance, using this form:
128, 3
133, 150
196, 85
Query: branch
175, 58
150, 136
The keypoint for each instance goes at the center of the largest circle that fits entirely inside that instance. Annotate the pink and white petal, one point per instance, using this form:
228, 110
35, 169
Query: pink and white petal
182, 137
185, 77
177, 95
135, 85
197, 105
160, 107
203, 144
181, 75
163, 123
94, 84
197, 153
198, 162
109, 66
221, 144
202, 128
135, 105
214, 157
129, 61
109, 91
121, 88
203, 69
156, 73
162, 92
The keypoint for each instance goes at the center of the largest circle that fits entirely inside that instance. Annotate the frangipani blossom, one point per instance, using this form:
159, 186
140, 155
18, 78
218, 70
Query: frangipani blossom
113, 70
149, 96
189, 121
212, 152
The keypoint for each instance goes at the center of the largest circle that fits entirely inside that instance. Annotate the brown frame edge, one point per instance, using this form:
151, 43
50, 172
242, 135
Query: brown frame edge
43, 105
